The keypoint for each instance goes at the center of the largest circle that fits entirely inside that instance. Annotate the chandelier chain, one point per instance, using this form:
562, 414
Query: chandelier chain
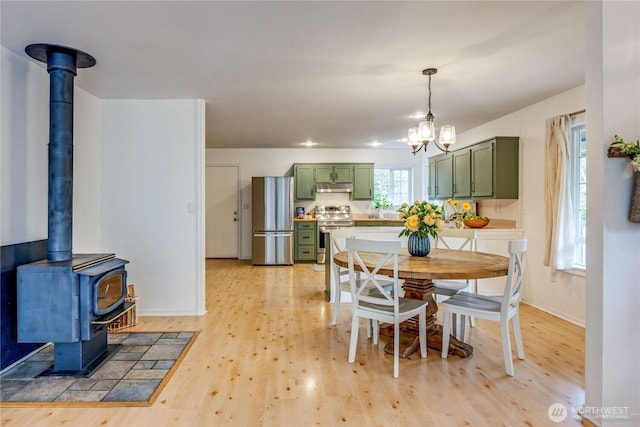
429, 94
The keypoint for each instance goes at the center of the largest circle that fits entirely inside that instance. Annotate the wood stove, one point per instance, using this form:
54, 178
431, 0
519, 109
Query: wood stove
68, 299
71, 304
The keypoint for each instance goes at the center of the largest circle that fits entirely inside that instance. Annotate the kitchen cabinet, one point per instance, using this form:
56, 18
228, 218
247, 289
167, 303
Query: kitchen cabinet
362, 181
494, 168
305, 241
334, 173
485, 170
444, 177
304, 182
461, 160
431, 189
306, 175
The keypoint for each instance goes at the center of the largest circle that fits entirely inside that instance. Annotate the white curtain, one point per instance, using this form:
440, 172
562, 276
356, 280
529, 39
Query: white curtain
560, 227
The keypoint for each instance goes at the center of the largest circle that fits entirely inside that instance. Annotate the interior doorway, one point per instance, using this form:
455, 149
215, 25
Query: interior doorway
222, 211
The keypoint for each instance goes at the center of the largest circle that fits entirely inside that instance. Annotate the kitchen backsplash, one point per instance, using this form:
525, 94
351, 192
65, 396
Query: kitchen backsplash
358, 208
496, 209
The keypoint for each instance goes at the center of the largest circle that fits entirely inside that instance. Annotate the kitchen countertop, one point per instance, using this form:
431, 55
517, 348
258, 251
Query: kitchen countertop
494, 224
378, 220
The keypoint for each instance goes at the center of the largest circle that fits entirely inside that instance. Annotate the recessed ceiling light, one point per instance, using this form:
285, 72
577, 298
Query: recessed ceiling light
375, 143
405, 140
418, 115
309, 143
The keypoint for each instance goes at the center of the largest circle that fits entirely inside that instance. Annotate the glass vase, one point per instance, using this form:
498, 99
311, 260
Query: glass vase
418, 246
460, 223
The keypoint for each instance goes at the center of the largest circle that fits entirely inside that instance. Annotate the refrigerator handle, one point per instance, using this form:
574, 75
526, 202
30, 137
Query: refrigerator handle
287, 233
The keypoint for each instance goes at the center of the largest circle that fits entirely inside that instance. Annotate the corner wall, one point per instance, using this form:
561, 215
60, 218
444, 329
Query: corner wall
612, 370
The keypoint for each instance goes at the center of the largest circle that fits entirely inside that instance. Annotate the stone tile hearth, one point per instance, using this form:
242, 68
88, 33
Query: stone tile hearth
139, 365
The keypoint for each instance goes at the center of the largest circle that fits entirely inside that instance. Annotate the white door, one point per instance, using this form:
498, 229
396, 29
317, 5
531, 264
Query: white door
222, 216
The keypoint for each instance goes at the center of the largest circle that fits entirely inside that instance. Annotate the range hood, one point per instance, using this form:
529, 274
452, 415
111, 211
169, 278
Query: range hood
327, 187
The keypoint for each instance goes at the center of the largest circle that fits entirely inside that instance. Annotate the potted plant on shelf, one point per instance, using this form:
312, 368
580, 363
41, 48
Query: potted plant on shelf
381, 203
421, 220
620, 148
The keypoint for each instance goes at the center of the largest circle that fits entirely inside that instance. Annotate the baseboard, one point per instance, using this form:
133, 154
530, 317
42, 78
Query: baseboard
562, 316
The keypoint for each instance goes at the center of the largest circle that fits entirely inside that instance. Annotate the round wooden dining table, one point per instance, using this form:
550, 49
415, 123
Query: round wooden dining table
418, 274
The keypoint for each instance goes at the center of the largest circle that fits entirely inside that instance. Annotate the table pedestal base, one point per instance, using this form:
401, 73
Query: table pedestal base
409, 341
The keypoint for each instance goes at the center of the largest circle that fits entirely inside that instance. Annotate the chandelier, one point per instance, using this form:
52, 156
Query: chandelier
419, 137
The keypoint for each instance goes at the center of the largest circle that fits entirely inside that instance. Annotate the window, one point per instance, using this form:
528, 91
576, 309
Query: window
565, 188
578, 185
393, 184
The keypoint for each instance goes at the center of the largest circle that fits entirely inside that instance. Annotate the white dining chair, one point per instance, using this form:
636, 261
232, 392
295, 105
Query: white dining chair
341, 274
464, 239
499, 309
381, 305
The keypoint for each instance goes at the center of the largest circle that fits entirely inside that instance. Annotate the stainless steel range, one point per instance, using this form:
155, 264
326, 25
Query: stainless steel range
330, 218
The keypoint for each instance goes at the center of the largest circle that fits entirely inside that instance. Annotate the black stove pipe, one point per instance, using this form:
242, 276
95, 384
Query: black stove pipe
62, 63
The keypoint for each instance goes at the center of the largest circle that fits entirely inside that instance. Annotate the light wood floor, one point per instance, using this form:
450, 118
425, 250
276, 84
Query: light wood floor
267, 356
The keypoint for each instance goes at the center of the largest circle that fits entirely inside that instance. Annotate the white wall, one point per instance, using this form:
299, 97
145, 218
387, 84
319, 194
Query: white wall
87, 165
152, 199
25, 135
24, 152
613, 246
562, 294
271, 162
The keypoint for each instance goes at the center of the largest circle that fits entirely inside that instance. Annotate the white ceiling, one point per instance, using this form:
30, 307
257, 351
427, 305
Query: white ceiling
276, 74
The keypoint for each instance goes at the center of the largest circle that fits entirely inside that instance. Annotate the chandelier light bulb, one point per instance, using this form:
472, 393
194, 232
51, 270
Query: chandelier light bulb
426, 131
414, 137
447, 135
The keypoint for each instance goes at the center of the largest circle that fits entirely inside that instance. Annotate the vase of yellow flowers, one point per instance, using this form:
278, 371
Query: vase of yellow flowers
459, 211
421, 220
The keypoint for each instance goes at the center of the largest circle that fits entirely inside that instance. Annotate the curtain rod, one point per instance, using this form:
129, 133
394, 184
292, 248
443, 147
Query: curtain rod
577, 112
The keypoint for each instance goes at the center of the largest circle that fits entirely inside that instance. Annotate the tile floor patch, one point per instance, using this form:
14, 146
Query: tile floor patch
132, 391
140, 364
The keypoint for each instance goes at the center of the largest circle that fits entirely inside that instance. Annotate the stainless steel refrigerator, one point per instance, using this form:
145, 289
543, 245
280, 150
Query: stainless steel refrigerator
272, 220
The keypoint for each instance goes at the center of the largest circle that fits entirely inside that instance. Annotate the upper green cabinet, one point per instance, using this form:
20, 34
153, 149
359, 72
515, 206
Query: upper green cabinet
362, 181
334, 173
486, 170
431, 189
444, 177
482, 169
304, 182
461, 160
308, 174
494, 168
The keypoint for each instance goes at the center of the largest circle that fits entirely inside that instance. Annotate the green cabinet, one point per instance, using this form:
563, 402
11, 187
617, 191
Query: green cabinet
334, 173
461, 173
304, 182
305, 241
482, 167
485, 170
431, 189
444, 177
362, 181
306, 175
494, 168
